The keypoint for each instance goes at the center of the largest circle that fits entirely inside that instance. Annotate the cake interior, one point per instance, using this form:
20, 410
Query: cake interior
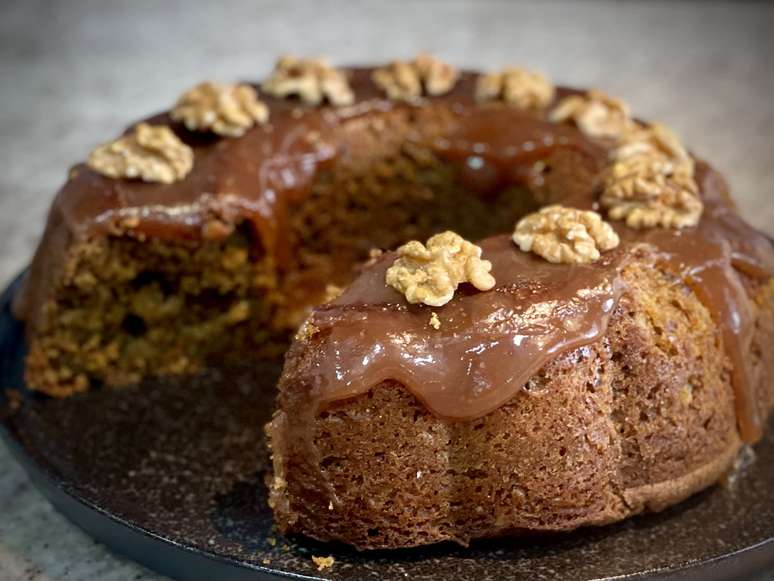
129, 307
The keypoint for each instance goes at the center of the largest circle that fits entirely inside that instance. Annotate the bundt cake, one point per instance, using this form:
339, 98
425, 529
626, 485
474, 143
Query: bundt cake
576, 371
604, 356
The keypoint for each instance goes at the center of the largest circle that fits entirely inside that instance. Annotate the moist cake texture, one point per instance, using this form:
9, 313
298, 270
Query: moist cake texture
135, 279
617, 365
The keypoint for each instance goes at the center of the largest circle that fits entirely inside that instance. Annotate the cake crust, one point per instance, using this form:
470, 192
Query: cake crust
629, 423
621, 377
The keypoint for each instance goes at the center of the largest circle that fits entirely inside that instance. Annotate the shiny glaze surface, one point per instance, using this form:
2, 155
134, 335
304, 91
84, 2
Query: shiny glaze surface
714, 259
489, 343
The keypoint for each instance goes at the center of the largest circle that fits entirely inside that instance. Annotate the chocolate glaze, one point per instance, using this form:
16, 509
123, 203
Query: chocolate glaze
490, 343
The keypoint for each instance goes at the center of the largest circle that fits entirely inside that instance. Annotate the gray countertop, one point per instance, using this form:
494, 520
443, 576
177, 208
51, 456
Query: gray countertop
72, 74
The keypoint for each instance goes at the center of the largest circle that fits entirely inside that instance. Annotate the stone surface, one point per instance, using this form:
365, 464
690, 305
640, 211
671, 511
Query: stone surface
74, 74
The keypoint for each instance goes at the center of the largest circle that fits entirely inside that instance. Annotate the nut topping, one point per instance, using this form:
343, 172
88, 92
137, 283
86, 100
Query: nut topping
227, 110
403, 81
430, 274
650, 182
653, 140
565, 235
152, 153
648, 191
595, 114
312, 80
526, 90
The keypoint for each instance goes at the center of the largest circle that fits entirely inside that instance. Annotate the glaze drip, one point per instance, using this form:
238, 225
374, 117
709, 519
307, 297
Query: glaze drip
488, 344
714, 259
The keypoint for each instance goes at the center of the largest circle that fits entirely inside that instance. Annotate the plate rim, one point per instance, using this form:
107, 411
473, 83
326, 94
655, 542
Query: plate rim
751, 559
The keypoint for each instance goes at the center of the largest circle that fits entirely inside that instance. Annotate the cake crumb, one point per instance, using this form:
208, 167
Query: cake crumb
306, 331
686, 395
430, 274
14, 403
373, 255
323, 562
266, 561
435, 322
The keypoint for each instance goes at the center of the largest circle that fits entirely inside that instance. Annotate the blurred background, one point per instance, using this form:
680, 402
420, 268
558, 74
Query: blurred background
73, 74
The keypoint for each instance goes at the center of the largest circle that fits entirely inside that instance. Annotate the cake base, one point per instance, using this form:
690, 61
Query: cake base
121, 479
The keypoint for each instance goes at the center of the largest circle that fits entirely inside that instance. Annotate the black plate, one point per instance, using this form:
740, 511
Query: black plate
170, 473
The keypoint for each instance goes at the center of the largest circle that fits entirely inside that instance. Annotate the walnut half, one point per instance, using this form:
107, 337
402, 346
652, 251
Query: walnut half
430, 274
524, 89
152, 153
312, 80
650, 182
565, 235
425, 74
228, 110
595, 114
655, 140
648, 192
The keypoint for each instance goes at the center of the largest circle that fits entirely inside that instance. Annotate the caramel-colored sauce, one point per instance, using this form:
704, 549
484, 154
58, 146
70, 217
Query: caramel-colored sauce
489, 344
712, 259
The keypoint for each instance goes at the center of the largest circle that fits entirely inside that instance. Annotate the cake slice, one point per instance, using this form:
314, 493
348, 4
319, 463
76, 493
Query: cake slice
204, 235
567, 395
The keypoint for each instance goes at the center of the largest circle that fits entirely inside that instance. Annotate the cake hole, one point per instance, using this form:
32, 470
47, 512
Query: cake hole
134, 325
147, 278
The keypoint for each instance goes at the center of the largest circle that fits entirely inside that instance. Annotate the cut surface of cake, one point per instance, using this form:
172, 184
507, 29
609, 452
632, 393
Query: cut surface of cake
137, 277
604, 356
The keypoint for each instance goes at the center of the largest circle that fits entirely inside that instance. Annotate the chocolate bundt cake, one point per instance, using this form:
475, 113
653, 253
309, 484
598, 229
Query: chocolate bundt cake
606, 356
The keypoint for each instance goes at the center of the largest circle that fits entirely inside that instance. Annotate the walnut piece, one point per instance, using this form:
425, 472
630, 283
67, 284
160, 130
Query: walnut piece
323, 562
332, 292
425, 74
152, 153
227, 110
525, 89
653, 140
306, 331
649, 191
312, 80
565, 235
595, 114
430, 274
650, 182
